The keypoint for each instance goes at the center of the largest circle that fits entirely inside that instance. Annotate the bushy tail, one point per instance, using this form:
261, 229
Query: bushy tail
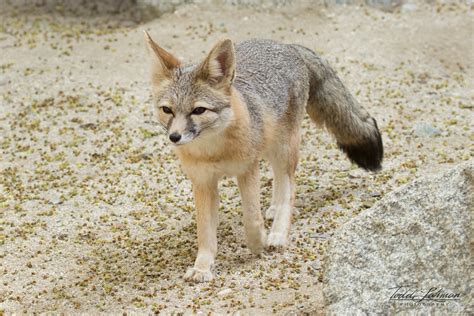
331, 105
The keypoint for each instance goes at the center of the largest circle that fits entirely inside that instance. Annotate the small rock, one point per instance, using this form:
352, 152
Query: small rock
320, 236
62, 236
356, 174
224, 292
375, 194
409, 7
3, 80
339, 182
385, 5
425, 130
315, 266
92, 126
367, 204
54, 197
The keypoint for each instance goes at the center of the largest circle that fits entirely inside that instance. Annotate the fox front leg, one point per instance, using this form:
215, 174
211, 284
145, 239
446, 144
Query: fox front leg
206, 198
249, 186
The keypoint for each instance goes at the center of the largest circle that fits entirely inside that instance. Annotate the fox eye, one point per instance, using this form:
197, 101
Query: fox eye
166, 109
199, 110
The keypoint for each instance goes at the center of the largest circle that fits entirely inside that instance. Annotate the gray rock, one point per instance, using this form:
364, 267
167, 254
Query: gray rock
417, 237
385, 5
3, 80
224, 292
409, 7
425, 130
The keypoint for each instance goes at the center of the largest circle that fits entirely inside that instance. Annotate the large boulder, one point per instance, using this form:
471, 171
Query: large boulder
409, 253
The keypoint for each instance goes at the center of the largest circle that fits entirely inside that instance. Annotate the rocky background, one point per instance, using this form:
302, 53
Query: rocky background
95, 215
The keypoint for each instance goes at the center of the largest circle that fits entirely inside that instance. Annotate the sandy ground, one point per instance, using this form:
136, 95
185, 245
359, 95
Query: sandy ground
95, 214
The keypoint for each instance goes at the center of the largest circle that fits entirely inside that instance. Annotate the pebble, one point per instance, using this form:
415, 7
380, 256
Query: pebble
375, 194
356, 174
425, 130
409, 7
316, 266
367, 204
224, 292
54, 197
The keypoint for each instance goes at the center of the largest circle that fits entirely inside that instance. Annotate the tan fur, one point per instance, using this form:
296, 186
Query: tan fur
207, 205
226, 155
233, 144
270, 128
249, 186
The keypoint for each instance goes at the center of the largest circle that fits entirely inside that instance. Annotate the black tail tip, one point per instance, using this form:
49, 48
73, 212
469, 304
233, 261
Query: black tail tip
367, 154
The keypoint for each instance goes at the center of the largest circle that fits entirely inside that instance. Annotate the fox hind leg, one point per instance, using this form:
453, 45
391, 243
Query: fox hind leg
284, 160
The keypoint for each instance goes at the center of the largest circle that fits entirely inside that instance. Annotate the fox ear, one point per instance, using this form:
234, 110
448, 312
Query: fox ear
219, 66
163, 62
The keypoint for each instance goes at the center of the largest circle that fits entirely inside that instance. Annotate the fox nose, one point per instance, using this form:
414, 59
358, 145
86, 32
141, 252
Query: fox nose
175, 137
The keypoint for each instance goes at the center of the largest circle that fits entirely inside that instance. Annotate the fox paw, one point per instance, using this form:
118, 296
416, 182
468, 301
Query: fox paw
270, 213
198, 276
277, 241
257, 244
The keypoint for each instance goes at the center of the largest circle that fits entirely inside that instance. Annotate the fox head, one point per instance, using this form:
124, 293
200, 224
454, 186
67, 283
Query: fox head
192, 101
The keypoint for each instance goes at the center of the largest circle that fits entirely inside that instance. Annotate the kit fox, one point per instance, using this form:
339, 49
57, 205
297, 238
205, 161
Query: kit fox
246, 103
